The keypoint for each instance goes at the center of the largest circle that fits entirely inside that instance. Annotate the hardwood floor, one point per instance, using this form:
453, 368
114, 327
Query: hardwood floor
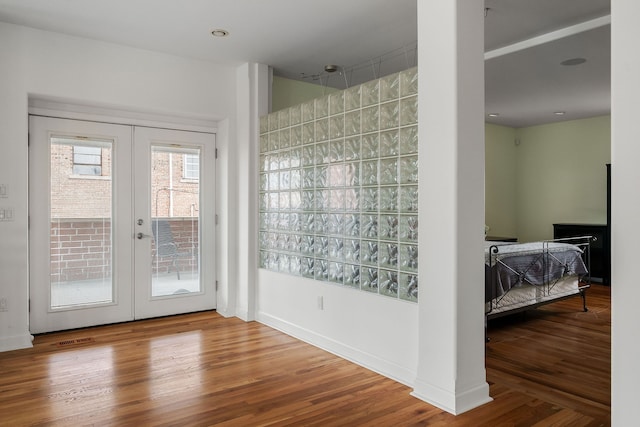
547, 367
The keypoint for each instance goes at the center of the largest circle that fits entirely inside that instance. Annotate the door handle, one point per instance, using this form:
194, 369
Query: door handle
142, 235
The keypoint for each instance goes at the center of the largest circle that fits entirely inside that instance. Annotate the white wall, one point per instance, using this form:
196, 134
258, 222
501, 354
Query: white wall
500, 180
43, 64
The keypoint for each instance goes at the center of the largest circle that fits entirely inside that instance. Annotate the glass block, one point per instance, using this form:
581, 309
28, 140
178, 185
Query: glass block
295, 157
274, 161
321, 222
388, 201
296, 200
274, 220
294, 222
263, 221
307, 111
273, 121
274, 141
263, 203
369, 172
408, 287
274, 261
283, 118
322, 176
369, 226
263, 240
369, 279
264, 182
322, 246
352, 250
336, 150
306, 223
409, 140
295, 114
285, 182
336, 224
308, 155
370, 93
322, 130
296, 136
336, 174
263, 259
264, 124
408, 257
352, 148
352, 123
336, 102
308, 202
352, 98
307, 245
264, 143
283, 242
336, 199
352, 174
389, 115
370, 199
409, 228
352, 225
336, 248
283, 221
409, 111
295, 179
336, 272
352, 276
322, 153
409, 170
295, 264
352, 199
388, 283
284, 200
273, 241
388, 171
285, 138
264, 162
388, 254
284, 161
306, 267
308, 133
409, 198
322, 106
283, 265
274, 201
370, 146
321, 268
308, 178
389, 145
409, 82
390, 87
370, 119
336, 127
295, 243
388, 227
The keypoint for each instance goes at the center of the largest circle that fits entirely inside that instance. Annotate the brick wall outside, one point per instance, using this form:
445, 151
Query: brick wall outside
81, 248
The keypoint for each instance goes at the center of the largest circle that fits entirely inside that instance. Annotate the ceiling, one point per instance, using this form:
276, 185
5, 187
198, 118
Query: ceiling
525, 83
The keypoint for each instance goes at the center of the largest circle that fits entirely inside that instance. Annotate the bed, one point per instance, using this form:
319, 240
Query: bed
524, 276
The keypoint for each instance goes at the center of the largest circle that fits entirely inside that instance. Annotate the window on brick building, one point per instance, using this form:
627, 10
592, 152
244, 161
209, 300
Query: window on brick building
191, 169
87, 160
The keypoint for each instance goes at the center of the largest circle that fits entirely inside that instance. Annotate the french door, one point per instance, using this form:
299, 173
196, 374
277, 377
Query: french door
121, 223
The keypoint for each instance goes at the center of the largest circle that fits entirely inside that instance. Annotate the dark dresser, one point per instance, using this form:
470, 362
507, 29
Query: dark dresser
600, 247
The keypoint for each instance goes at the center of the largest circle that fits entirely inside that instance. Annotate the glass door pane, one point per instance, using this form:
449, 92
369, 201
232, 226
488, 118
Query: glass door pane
175, 220
81, 215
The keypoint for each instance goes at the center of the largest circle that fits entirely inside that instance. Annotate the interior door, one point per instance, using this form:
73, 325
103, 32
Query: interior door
121, 223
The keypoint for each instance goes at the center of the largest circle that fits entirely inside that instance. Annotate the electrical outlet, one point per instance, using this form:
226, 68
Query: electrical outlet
3, 304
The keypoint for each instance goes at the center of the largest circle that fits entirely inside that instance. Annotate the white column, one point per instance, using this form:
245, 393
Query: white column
450, 372
625, 211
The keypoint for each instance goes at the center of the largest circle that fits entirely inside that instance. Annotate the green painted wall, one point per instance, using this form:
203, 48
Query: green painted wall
287, 93
561, 175
500, 180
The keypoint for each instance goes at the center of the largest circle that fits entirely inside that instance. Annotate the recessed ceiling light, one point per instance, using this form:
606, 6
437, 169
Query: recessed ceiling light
219, 33
559, 113
573, 61
493, 114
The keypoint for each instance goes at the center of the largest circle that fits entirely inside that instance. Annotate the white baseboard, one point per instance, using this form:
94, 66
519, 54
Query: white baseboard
16, 342
450, 401
367, 360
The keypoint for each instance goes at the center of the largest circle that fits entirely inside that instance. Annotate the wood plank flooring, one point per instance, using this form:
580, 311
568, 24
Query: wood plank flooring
547, 367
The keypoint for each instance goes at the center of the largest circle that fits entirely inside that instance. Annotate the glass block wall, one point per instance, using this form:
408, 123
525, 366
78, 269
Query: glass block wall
339, 188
